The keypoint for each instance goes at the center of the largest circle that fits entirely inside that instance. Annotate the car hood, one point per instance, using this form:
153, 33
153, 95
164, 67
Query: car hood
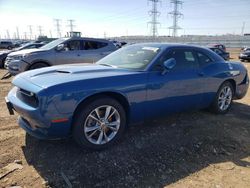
26, 51
56, 75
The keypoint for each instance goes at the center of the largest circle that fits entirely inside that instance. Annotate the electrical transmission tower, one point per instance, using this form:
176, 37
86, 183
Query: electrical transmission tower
58, 27
154, 14
176, 14
17, 33
71, 25
30, 28
40, 30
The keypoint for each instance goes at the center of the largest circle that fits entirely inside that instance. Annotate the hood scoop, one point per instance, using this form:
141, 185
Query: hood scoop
63, 71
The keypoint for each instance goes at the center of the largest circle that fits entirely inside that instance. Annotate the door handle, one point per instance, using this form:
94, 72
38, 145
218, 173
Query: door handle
78, 54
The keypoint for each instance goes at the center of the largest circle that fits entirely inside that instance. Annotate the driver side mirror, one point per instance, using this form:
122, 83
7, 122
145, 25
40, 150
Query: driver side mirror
168, 65
60, 47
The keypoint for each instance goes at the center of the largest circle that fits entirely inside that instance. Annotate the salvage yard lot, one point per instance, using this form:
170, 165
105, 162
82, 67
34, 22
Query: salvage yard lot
192, 149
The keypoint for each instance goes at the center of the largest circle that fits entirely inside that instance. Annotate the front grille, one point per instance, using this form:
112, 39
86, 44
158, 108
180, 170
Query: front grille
27, 97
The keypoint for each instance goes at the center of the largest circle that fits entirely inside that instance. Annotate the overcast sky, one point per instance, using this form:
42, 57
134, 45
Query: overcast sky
123, 17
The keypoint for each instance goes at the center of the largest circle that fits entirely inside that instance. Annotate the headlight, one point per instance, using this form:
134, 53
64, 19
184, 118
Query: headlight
19, 57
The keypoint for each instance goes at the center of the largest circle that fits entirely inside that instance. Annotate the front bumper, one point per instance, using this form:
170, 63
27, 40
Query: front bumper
15, 66
34, 121
244, 57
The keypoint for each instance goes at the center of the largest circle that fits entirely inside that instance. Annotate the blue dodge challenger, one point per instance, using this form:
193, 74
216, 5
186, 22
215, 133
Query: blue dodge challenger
95, 102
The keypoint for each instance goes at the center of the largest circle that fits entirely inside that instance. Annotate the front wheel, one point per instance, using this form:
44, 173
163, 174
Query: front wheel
99, 124
223, 99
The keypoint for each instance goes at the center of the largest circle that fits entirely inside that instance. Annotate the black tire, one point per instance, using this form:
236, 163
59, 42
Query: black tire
81, 118
242, 60
215, 107
9, 47
38, 66
2, 63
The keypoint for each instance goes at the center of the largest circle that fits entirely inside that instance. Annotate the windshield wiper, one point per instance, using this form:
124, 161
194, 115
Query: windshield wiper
107, 65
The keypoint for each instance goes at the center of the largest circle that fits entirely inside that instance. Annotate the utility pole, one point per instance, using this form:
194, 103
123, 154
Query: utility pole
243, 28
176, 14
30, 28
154, 14
71, 25
25, 35
17, 33
8, 34
58, 27
50, 32
40, 30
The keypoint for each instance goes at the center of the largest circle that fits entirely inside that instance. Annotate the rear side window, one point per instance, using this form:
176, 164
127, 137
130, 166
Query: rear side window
203, 59
93, 45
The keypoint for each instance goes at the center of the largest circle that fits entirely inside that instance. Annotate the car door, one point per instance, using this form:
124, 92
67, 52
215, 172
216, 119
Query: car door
71, 53
177, 90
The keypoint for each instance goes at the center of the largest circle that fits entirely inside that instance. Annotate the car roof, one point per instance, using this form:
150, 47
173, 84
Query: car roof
171, 45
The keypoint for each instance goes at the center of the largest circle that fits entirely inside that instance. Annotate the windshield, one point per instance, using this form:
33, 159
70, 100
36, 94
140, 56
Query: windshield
53, 44
24, 46
135, 57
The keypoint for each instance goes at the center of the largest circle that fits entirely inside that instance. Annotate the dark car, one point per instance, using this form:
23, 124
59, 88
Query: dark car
96, 102
225, 55
4, 54
7, 45
220, 46
245, 55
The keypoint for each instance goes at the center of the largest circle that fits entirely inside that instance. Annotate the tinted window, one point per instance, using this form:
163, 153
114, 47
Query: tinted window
185, 60
203, 59
93, 45
73, 45
218, 51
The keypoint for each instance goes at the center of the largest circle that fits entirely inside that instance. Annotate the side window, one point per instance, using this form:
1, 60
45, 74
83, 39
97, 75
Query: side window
73, 45
203, 59
185, 60
93, 45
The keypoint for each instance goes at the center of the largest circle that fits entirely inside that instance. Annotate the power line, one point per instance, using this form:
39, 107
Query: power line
154, 13
243, 28
176, 14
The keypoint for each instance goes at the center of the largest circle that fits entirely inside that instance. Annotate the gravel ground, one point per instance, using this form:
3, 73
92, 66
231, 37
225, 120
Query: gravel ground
191, 149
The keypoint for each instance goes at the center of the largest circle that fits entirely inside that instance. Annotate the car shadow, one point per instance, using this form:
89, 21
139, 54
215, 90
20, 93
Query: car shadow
151, 155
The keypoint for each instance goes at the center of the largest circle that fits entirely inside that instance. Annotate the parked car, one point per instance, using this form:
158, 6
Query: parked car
96, 102
245, 55
222, 53
7, 45
220, 46
60, 51
4, 54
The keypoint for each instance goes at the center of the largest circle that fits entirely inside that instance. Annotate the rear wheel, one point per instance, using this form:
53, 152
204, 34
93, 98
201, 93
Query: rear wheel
99, 124
37, 66
223, 99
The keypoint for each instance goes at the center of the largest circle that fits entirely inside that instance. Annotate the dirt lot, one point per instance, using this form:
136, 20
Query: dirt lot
194, 149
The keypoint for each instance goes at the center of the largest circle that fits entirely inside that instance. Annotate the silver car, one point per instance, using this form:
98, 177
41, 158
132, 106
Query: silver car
60, 51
